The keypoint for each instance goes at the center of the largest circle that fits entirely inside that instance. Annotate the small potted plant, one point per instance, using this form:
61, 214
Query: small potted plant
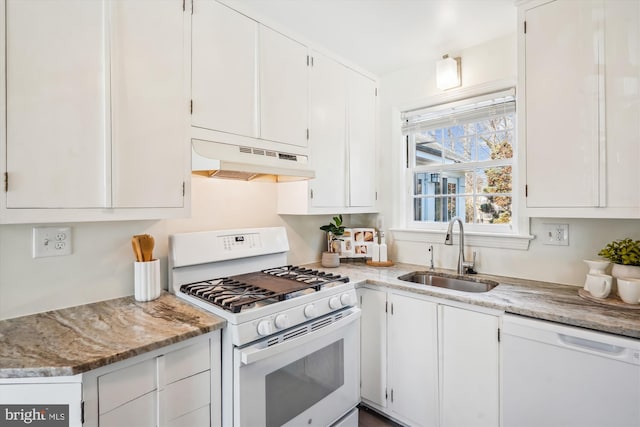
334, 230
625, 256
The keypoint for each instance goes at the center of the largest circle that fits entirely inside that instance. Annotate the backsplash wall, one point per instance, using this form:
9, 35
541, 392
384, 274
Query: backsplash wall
101, 266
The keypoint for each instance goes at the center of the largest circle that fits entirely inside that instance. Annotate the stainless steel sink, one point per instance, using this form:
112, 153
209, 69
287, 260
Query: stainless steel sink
456, 283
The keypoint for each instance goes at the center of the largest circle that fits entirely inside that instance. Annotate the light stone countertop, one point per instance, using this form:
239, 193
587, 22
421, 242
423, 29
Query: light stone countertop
74, 340
541, 300
78, 339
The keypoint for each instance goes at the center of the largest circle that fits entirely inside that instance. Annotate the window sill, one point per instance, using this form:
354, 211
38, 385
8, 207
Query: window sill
486, 240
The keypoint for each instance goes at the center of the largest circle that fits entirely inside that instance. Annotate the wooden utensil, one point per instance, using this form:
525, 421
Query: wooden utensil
146, 245
137, 251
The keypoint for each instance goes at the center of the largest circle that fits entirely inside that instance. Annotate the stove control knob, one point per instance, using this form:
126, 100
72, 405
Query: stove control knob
334, 303
282, 321
310, 311
264, 328
346, 299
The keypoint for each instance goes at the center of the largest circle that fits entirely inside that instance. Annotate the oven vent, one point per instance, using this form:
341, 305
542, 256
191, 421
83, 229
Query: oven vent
306, 329
295, 333
322, 323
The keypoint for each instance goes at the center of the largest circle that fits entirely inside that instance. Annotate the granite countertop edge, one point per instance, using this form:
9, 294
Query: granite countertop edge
539, 300
76, 340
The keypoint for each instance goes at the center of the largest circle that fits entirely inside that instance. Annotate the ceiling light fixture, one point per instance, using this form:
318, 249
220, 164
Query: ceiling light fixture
448, 73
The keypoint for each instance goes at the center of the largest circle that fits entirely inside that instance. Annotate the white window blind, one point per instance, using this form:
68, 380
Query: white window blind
459, 112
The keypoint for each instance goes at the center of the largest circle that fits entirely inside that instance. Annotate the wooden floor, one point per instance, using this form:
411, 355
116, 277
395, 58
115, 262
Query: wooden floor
369, 418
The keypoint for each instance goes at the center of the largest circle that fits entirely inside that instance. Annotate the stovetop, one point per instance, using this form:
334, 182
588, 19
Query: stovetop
249, 291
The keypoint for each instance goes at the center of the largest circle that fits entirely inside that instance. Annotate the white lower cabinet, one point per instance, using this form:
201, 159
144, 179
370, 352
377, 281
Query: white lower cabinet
469, 368
373, 346
429, 364
170, 388
412, 360
178, 385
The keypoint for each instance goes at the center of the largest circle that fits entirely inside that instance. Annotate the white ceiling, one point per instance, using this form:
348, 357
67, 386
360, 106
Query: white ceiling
382, 36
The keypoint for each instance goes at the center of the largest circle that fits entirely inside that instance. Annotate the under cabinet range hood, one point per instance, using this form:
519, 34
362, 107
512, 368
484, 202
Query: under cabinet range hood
220, 160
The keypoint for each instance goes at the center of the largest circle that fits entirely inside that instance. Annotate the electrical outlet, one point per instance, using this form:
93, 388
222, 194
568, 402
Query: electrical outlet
556, 234
51, 241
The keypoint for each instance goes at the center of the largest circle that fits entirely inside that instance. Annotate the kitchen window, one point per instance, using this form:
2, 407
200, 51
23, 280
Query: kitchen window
460, 162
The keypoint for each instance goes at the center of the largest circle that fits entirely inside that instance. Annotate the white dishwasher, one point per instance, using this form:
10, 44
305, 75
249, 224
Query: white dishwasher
560, 376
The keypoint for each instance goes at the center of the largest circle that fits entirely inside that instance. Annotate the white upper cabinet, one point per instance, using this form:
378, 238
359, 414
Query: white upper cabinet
223, 67
283, 88
342, 144
56, 111
148, 106
562, 80
328, 130
96, 110
362, 150
622, 62
249, 82
580, 73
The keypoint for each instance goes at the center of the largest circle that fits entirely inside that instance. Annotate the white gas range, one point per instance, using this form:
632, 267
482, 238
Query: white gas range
290, 351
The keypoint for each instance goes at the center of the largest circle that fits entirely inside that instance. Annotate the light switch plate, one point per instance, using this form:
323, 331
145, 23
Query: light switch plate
555, 234
51, 241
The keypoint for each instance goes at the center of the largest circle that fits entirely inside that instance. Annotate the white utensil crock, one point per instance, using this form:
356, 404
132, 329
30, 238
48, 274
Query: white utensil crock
147, 280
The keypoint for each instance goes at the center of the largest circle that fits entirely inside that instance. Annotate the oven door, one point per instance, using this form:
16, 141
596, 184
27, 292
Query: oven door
309, 377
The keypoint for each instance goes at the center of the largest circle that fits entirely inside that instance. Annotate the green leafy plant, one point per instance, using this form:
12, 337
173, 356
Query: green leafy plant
335, 230
625, 252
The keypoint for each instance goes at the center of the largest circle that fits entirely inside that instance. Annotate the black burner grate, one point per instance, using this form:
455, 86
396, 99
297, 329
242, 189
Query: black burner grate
245, 290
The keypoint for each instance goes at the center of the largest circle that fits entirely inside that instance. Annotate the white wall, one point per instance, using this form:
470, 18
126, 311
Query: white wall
101, 266
490, 62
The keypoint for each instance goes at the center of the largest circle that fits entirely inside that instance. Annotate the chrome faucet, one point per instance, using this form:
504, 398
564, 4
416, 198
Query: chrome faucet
462, 264
432, 268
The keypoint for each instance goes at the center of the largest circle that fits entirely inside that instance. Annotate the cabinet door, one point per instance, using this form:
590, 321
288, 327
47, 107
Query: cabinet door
199, 417
283, 88
56, 104
470, 368
126, 384
149, 104
563, 55
622, 56
185, 396
373, 345
413, 360
223, 69
362, 148
328, 132
140, 412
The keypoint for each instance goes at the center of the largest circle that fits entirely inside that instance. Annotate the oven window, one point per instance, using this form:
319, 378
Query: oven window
298, 386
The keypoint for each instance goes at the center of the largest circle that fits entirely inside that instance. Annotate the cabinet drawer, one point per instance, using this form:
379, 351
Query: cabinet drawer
199, 417
124, 385
185, 362
140, 412
186, 395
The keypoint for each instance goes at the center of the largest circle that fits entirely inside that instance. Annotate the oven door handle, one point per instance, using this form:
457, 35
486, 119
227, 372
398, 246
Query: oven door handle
249, 355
